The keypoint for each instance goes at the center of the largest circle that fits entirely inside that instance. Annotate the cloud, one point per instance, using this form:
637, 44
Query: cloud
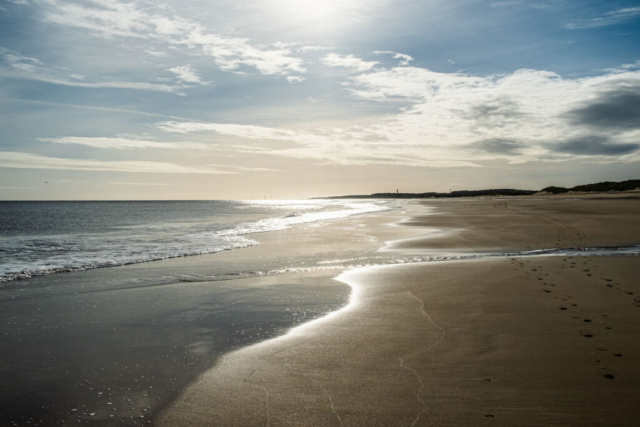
127, 144
458, 120
18, 62
144, 86
348, 61
17, 66
230, 129
156, 53
186, 74
499, 146
617, 109
593, 145
10, 159
494, 112
137, 20
295, 79
404, 59
90, 107
613, 17
349, 146
249, 169
512, 116
313, 48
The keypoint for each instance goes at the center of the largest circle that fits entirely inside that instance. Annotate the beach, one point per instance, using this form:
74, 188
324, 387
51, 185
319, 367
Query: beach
118, 344
515, 340
515, 311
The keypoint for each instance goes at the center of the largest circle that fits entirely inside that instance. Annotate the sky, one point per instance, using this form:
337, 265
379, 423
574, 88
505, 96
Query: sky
247, 99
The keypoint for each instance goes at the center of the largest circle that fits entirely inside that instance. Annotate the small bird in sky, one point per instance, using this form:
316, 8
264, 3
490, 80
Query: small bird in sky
46, 182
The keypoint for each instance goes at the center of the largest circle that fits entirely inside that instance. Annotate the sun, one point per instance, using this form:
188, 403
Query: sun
305, 12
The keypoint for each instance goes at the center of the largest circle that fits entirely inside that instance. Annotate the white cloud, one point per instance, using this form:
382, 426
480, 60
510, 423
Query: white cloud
17, 66
114, 19
285, 44
314, 48
295, 79
346, 146
248, 169
156, 53
404, 59
229, 129
186, 74
348, 61
127, 144
16, 61
610, 18
10, 159
458, 120
177, 89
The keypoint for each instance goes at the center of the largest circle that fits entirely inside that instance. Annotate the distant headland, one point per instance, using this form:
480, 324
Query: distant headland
599, 187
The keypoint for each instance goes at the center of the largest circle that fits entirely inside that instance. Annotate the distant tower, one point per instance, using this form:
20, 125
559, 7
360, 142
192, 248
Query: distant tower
397, 191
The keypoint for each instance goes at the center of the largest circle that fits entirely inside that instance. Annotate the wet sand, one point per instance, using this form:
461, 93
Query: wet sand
512, 341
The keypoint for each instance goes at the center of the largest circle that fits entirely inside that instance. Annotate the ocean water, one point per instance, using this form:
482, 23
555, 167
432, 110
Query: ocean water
38, 238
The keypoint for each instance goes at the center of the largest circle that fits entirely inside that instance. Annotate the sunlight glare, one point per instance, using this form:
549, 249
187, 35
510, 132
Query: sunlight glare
324, 12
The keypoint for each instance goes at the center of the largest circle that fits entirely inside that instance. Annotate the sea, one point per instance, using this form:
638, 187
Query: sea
38, 238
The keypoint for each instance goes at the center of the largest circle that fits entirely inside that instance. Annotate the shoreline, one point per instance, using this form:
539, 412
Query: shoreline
125, 341
240, 230
268, 376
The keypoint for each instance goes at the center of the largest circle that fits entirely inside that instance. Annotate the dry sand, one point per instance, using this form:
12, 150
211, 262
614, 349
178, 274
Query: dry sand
525, 341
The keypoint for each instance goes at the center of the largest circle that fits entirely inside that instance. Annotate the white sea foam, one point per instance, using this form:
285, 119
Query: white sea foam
296, 218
